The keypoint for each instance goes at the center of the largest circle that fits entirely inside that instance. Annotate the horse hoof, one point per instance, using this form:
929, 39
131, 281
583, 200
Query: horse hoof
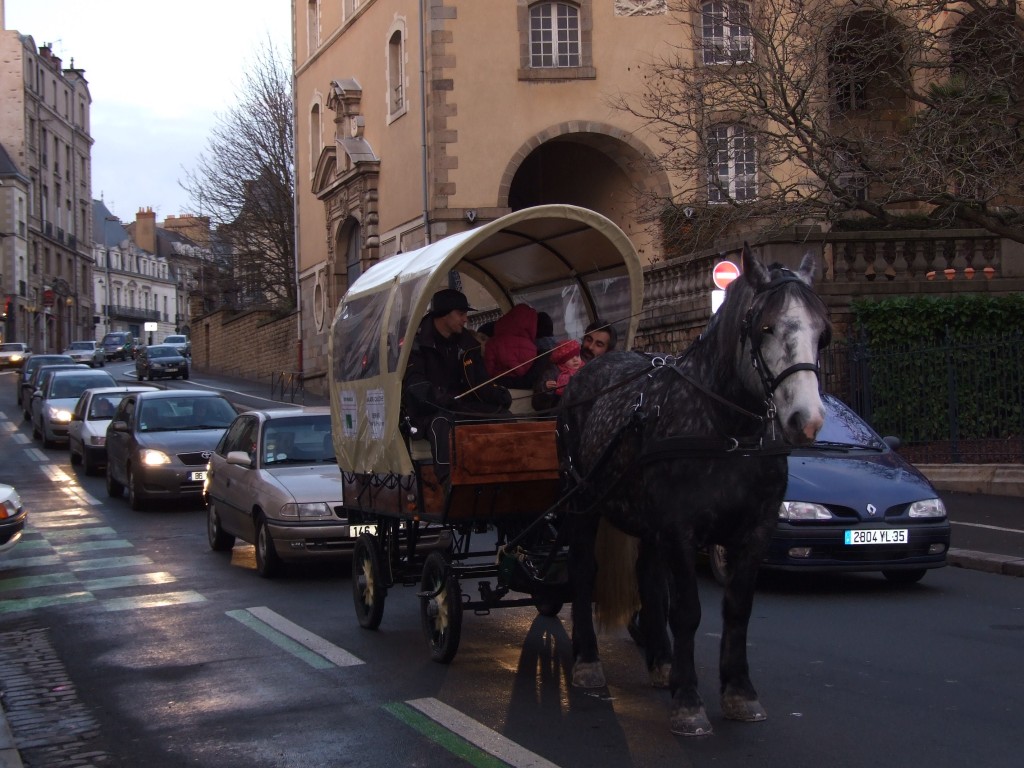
746, 710
690, 721
660, 675
588, 674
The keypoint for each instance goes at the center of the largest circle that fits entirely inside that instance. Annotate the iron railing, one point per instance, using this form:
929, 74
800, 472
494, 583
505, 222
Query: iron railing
954, 402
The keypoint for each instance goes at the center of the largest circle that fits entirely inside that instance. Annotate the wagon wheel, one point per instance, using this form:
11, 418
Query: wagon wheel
440, 607
368, 590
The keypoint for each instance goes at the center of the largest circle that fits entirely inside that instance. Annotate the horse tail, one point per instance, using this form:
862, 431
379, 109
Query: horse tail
616, 592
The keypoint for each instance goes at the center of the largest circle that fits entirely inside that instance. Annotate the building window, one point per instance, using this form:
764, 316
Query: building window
396, 73
316, 139
554, 35
732, 158
726, 32
555, 40
313, 25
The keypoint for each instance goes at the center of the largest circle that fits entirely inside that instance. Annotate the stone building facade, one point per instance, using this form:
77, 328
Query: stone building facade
46, 210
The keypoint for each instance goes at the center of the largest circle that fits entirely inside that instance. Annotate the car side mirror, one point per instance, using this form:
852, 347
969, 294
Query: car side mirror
241, 458
119, 426
893, 442
76, 417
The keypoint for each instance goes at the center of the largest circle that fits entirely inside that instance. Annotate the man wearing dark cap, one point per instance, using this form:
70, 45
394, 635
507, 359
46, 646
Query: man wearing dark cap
444, 364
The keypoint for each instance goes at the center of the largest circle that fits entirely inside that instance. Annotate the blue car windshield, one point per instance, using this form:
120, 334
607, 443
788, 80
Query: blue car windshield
845, 428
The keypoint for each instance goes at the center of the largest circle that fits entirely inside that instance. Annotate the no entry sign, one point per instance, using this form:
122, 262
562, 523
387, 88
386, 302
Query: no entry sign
724, 273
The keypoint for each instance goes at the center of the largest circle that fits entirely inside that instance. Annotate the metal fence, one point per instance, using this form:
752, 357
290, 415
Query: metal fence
951, 403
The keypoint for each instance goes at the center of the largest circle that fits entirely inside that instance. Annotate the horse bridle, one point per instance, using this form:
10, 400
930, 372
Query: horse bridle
757, 360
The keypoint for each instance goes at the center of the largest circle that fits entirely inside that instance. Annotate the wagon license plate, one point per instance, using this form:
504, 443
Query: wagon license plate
197, 476
355, 530
877, 536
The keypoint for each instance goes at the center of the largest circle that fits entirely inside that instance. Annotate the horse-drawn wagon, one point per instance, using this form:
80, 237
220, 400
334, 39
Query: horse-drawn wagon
485, 512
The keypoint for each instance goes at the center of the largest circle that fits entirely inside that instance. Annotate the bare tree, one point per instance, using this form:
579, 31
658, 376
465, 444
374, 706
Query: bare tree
245, 183
783, 112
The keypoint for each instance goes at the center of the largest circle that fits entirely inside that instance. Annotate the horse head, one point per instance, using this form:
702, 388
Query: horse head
785, 325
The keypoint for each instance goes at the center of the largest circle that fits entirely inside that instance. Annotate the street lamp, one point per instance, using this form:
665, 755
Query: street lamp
69, 302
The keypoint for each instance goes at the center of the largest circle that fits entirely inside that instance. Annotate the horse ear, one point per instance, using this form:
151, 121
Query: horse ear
754, 271
808, 268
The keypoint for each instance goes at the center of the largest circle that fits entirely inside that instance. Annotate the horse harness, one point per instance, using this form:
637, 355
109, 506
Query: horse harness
764, 441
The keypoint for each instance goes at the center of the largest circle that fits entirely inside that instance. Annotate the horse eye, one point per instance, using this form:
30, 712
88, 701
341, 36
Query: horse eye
767, 329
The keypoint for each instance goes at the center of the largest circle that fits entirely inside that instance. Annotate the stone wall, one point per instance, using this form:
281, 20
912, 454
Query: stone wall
253, 344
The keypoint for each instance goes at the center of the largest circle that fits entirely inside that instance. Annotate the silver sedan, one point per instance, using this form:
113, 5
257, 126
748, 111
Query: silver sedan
273, 481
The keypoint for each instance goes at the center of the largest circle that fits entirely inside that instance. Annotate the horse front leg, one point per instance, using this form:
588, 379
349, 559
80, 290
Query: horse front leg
687, 716
739, 699
587, 671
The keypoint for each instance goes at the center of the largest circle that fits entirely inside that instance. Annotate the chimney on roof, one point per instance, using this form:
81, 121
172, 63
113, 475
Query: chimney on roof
145, 229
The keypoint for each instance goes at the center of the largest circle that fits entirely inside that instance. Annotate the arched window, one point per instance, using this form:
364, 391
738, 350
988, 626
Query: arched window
353, 254
316, 141
554, 35
396, 73
726, 33
732, 161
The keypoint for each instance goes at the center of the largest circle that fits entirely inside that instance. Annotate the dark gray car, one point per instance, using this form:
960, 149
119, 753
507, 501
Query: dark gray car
24, 380
160, 361
159, 442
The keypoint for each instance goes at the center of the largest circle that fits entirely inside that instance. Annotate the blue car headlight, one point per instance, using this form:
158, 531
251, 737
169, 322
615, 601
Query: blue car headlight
929, 508
803, 510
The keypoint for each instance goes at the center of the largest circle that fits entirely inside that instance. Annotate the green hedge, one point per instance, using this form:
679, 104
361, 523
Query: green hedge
936, 364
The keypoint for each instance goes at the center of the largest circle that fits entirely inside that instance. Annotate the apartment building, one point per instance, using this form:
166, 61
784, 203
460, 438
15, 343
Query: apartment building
46, 196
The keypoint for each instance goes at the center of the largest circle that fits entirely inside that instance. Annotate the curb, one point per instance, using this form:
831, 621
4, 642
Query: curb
985, 561
989, 479
9, 755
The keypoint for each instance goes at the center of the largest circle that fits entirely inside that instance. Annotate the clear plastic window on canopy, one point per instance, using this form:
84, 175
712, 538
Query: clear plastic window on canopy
356, 341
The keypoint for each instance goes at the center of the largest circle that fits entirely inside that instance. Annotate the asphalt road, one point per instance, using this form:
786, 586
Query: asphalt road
124, 641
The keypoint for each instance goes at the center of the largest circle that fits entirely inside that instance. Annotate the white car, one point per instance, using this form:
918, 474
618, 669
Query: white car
87, 433
12, 517
88, 352
56, 397
273, 481
180, 342
13, 354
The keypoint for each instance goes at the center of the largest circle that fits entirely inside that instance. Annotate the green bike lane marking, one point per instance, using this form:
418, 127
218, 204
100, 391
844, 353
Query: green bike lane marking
463, 736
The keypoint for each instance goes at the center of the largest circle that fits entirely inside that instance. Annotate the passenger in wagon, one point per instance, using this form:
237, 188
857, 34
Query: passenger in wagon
446, 375
598, 338
512, 348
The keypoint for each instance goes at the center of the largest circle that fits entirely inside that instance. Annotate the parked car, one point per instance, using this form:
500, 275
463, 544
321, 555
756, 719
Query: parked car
854, 504
87, 433
55, 399
36, 381
13, 354
28, 370
158, 443
273, 481
88, 352
12, 517
181, 343
118, 345
159, 361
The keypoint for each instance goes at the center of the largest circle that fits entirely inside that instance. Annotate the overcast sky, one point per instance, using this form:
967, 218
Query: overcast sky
160, 74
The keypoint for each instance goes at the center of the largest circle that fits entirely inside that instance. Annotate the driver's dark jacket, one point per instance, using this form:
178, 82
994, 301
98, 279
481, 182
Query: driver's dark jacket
439, 369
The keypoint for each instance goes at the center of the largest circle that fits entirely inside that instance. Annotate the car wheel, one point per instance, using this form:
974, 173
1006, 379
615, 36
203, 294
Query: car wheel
268, 564
135, 500
47, 442
719, 563
89, 464
904, 577
36, 434
74, 458
150, 376
184, 376
114, 488
220, 541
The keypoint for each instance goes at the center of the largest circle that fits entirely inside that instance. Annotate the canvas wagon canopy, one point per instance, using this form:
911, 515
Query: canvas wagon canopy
570, 262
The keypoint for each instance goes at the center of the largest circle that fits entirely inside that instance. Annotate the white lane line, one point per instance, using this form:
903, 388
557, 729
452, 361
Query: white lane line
35, 453
56, 474
987, 527
315, 643
152, 601
21, 437
479, 735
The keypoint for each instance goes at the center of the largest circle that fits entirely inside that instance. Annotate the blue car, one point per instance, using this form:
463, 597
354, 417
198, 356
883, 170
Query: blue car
854, 504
